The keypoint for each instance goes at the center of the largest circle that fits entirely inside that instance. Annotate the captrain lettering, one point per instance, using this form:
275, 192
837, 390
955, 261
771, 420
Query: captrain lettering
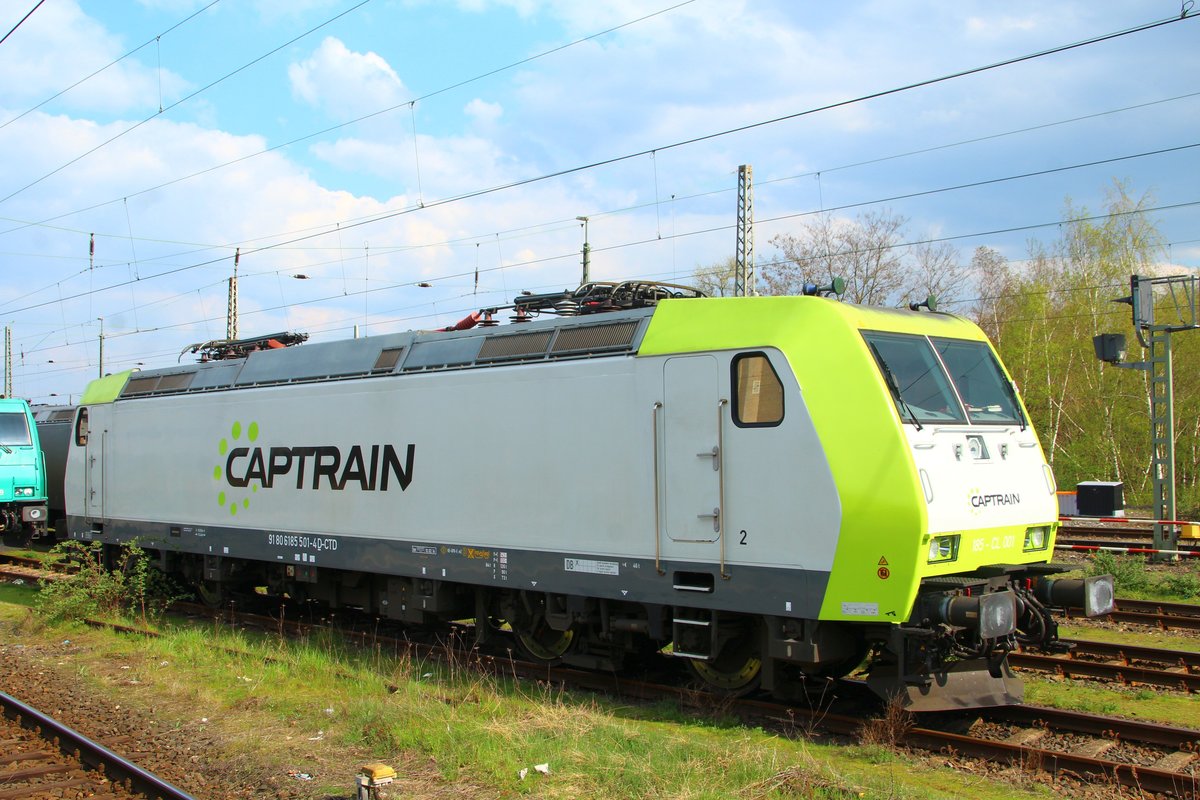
986, 500
323, 464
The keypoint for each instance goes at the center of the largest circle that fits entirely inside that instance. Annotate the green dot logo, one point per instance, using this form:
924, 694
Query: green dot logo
224, 499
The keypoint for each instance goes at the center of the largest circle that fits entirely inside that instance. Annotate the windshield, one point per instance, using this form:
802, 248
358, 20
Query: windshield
14, 429
924, 392
915, 378
981, 384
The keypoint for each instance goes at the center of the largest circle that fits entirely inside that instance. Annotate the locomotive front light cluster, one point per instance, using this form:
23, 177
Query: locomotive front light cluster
943, 548
23, 491
1036, 538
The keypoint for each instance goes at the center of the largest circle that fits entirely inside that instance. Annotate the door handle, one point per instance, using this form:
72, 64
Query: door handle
715, 455
716, 518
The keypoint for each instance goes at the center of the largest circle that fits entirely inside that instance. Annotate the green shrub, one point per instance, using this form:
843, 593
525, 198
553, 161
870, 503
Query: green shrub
1129, 572
134, 590
1185, 585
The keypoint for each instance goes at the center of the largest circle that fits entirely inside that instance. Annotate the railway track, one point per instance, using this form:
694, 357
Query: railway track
1154, 613
1132, 536
1156, 758
14, 567
1131, 665
42, 758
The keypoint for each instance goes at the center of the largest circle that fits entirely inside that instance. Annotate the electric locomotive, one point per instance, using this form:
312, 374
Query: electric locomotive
54, 432
22, 475
776, 487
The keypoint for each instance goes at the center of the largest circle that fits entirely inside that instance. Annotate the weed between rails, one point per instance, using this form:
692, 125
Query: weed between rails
889, 729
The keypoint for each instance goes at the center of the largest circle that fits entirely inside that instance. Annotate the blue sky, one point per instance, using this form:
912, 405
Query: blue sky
342, 205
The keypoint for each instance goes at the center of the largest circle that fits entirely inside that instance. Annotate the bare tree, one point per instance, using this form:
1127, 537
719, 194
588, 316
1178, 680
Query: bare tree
996, 280
717, 280
864, 252
935, 270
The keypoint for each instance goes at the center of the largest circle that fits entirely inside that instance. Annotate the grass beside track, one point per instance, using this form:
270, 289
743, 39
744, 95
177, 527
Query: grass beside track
1143, 703
319, 708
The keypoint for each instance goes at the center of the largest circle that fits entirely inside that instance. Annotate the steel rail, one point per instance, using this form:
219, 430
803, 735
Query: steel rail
1105, 533
1069, 667
1126, 548
1160, 607
1164, 622
1164, 616
1147, 779
1129, 653
91, 753
1129, 730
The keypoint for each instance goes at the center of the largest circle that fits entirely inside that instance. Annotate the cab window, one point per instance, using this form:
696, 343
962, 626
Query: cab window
985, 390
758, 391
81, 427
14, 428
914, 377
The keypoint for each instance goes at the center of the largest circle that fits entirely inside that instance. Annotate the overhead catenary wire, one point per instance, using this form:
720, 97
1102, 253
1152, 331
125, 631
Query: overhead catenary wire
184, 99
778, 218
22, 21
767, 264
409, 103
110, 64
21, 225
1189, 145
572, 254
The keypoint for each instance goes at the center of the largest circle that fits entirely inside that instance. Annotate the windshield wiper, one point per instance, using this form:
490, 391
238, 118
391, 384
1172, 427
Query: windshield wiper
6, 449
1016, 404
894, 387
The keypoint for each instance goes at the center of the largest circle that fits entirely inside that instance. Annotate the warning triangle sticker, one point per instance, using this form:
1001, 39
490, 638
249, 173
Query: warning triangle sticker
882, 561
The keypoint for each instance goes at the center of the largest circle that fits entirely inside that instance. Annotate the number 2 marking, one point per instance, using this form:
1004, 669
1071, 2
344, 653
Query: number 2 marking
743, 541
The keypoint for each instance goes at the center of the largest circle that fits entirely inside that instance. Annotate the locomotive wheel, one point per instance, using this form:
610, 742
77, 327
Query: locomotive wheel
840, 669
541, 642
211, 593
737, 671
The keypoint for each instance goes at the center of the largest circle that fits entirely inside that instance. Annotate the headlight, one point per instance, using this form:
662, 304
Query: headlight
943, 548
1037, 538
23, 491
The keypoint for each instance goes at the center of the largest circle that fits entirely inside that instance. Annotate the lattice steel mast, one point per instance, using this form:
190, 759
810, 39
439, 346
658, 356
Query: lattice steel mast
744, 277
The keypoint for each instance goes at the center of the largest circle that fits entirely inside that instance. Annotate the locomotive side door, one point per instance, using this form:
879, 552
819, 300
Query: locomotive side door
691, 458
94, 482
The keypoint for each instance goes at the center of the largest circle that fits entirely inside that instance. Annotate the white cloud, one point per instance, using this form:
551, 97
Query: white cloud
345, 83
448, 165
483, 112
60, 45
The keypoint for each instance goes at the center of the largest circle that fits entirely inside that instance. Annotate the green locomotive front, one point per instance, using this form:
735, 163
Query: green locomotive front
22, 475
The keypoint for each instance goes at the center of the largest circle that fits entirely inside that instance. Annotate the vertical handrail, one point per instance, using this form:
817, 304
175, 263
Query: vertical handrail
721, 480
657, 507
